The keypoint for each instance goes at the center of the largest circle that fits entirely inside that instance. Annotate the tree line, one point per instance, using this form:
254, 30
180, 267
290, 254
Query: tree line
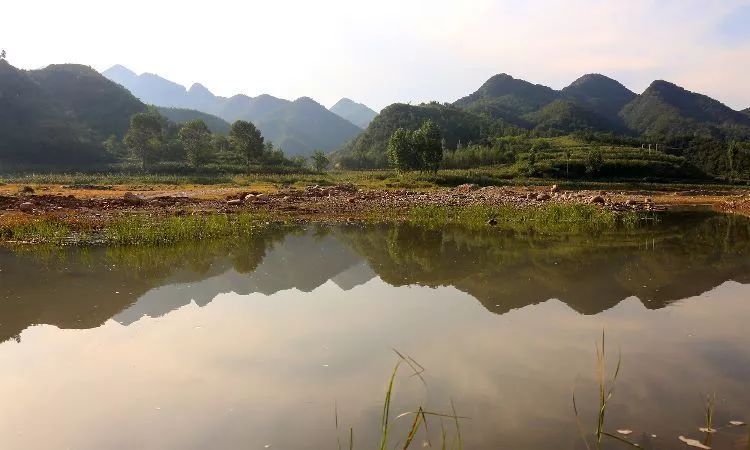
152, 140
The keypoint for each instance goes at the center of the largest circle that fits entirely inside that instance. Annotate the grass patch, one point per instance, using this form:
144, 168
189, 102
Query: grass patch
133, 230
46, 230
144, 230
548, 218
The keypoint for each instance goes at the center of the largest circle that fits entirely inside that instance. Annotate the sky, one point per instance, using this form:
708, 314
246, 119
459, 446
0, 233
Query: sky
386, 51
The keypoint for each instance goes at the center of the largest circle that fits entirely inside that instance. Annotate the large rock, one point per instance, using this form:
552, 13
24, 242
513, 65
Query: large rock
26, 207
133, 199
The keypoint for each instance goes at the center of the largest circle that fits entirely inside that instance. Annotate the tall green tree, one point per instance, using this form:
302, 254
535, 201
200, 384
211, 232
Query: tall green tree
196, 139
220, 143
594, 161
401, 152
144, 137
427, 143
733, 151
246, 140
320, 161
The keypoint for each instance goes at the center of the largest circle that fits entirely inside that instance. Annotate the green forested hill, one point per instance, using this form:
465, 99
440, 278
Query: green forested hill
565, 116
457, 125
82, 92
600, 94
667, 110
596, 108
60, 114
502, 96
183, 115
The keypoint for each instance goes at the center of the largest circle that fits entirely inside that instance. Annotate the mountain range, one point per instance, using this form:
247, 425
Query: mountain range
592, 103
299, 127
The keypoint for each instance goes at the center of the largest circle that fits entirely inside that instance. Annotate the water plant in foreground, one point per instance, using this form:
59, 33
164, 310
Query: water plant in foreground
606, 389
420, 414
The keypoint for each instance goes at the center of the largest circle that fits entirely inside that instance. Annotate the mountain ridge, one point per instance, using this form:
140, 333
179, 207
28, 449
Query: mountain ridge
279, 120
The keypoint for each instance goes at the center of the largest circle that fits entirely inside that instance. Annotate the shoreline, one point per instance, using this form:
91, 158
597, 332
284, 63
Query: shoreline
95, 208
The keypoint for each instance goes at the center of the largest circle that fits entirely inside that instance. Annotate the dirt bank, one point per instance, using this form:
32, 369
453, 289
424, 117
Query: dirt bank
95, 204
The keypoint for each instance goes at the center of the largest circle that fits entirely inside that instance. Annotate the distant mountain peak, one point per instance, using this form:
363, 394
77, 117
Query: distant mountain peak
357, 113
198, 88
665, 107
502, 95
119, 69
663, 84
594, 78
306, 100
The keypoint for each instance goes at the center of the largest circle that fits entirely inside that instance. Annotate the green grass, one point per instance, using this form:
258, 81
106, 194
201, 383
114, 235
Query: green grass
50, 231
370, 179
547, 218
135, 230
147, 231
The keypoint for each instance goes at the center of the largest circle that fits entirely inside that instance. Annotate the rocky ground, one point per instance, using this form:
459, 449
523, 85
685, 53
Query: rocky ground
340, 202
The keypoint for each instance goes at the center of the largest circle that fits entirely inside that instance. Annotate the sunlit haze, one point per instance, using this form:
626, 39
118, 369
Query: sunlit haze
388, 51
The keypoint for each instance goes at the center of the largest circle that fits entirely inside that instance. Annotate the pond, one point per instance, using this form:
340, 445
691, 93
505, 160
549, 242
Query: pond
266, 342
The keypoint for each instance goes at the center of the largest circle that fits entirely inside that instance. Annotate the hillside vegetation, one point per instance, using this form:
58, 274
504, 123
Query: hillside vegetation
706, 137
183, 115
60, 115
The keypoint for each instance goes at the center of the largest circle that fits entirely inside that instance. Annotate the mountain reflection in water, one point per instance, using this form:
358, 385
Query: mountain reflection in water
684, 255
249, 343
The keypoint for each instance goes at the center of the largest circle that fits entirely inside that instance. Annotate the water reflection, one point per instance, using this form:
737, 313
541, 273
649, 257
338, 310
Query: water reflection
685, 255
230, 344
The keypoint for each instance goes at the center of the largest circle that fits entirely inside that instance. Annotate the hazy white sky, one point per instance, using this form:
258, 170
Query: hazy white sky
380, 52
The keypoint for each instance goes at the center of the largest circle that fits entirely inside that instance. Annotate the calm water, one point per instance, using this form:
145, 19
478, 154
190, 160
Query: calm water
250, 344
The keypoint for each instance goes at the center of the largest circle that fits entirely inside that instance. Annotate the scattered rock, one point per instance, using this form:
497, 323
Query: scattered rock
554, 188
468, 187
631, 202
133, 199
26, 207
597, 199
249, 197
648, 200
694, 443
27, 190
625, 432
736, 423
543, 197
234, 202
